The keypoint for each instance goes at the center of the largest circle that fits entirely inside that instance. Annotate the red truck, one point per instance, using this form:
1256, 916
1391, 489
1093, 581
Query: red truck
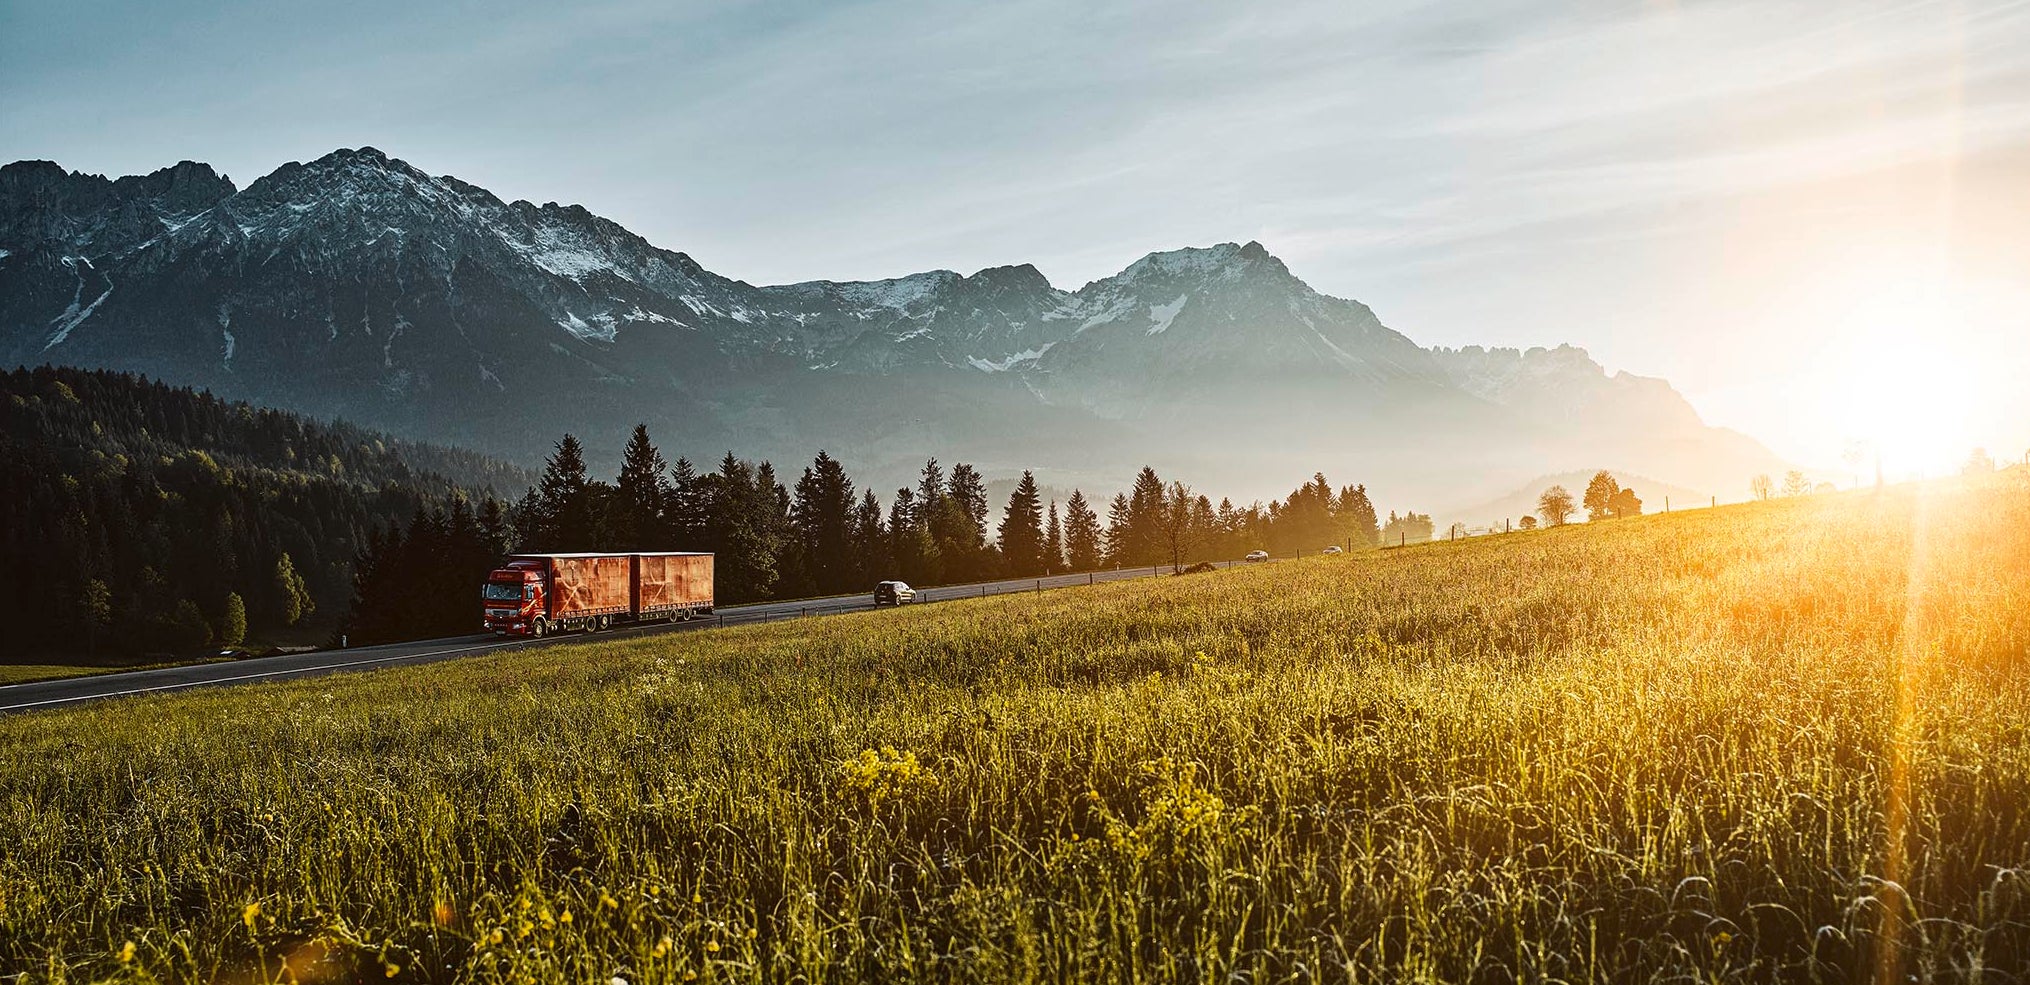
540, 594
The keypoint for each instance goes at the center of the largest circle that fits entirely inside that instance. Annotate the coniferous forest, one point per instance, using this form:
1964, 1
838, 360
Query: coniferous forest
141, 518
163, 520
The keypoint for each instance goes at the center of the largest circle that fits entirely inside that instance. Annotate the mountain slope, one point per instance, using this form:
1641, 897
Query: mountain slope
358, 285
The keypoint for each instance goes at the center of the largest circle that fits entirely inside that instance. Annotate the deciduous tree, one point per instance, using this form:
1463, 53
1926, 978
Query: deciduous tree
1556, 506
1599, 495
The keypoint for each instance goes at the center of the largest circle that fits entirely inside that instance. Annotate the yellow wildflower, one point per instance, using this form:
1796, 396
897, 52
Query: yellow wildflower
127, 953
250, 914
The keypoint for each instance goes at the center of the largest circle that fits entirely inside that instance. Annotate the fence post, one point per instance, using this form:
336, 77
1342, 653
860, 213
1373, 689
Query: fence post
1088, 577
1039, 584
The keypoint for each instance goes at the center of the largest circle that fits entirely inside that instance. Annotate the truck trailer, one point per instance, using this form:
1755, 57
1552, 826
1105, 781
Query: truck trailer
540, 594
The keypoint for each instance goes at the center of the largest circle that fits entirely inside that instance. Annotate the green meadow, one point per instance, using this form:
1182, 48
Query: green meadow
1788, 741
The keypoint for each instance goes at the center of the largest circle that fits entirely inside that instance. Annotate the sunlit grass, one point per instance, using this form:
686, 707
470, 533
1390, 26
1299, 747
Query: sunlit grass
1652, 749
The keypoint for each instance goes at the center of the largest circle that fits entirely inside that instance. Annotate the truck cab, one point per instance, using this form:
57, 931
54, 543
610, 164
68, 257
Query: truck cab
516, 599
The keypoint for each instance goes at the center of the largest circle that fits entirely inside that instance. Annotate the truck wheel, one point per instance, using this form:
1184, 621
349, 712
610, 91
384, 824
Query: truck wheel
538, 628
603, 624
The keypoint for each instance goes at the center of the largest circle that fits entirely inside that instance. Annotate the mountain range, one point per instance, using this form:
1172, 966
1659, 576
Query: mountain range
361, 287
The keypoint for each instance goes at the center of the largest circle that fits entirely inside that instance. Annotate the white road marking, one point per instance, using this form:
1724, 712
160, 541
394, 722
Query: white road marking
266, 673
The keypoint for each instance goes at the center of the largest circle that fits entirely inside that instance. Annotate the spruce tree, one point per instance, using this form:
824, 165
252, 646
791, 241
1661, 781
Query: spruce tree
964, 540
1204, 530
1142, 540
910, 548
739, 528
564, 520
493, 528
641, 494
1021, 530
1053, 542
1120, 531
822, 517
684, 507
1356, 515
870, 557
1082, 536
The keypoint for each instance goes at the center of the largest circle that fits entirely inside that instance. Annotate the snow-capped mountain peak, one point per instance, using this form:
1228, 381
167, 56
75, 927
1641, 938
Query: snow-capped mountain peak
358, 284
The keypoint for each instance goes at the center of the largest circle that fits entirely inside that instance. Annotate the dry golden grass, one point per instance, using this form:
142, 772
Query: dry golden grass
1779, 742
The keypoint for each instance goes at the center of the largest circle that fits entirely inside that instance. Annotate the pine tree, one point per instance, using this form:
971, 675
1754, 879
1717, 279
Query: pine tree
1356, 515
1204, 530
1053, 542
870, 557
564, 517
1120, 531
1082, 536
934, 522
684, 508
823, 519
910, 547
1021, 530
642, 494
1142, 540
964, 541
493, 528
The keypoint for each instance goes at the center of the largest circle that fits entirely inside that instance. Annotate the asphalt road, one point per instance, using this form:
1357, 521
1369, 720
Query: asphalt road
316, 663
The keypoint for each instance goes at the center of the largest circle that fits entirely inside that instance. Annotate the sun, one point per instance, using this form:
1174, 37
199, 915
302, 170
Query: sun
1900, 383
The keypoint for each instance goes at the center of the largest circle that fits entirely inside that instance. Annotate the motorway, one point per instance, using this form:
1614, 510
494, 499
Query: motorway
316, 663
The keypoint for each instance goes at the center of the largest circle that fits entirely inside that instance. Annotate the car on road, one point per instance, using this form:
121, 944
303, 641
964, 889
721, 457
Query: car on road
1256, 557
1334, 549
893, 593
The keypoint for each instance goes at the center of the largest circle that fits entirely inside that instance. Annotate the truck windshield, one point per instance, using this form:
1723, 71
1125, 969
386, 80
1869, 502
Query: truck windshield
501, 592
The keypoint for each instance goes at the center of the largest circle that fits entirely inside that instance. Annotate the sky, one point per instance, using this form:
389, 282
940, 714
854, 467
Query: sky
1812, 218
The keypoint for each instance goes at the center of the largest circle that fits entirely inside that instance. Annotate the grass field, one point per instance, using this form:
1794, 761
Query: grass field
1782, 742
26, 673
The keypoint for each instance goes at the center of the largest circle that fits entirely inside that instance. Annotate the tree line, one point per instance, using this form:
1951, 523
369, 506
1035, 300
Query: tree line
1605, 499
822, 533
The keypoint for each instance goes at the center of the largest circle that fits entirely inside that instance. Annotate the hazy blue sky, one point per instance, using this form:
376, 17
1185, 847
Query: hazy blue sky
1784, 208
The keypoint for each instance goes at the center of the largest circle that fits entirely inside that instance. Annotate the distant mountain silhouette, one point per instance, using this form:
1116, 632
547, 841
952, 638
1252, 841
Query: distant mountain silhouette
357, 285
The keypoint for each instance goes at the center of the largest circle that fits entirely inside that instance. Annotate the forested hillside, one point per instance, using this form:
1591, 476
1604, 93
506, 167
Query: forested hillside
163, 520
143, 518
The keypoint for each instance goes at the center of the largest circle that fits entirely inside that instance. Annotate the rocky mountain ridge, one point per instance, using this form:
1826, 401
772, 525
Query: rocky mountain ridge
358, 285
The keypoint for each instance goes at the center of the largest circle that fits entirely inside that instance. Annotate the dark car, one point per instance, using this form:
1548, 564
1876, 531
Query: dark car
894, 593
